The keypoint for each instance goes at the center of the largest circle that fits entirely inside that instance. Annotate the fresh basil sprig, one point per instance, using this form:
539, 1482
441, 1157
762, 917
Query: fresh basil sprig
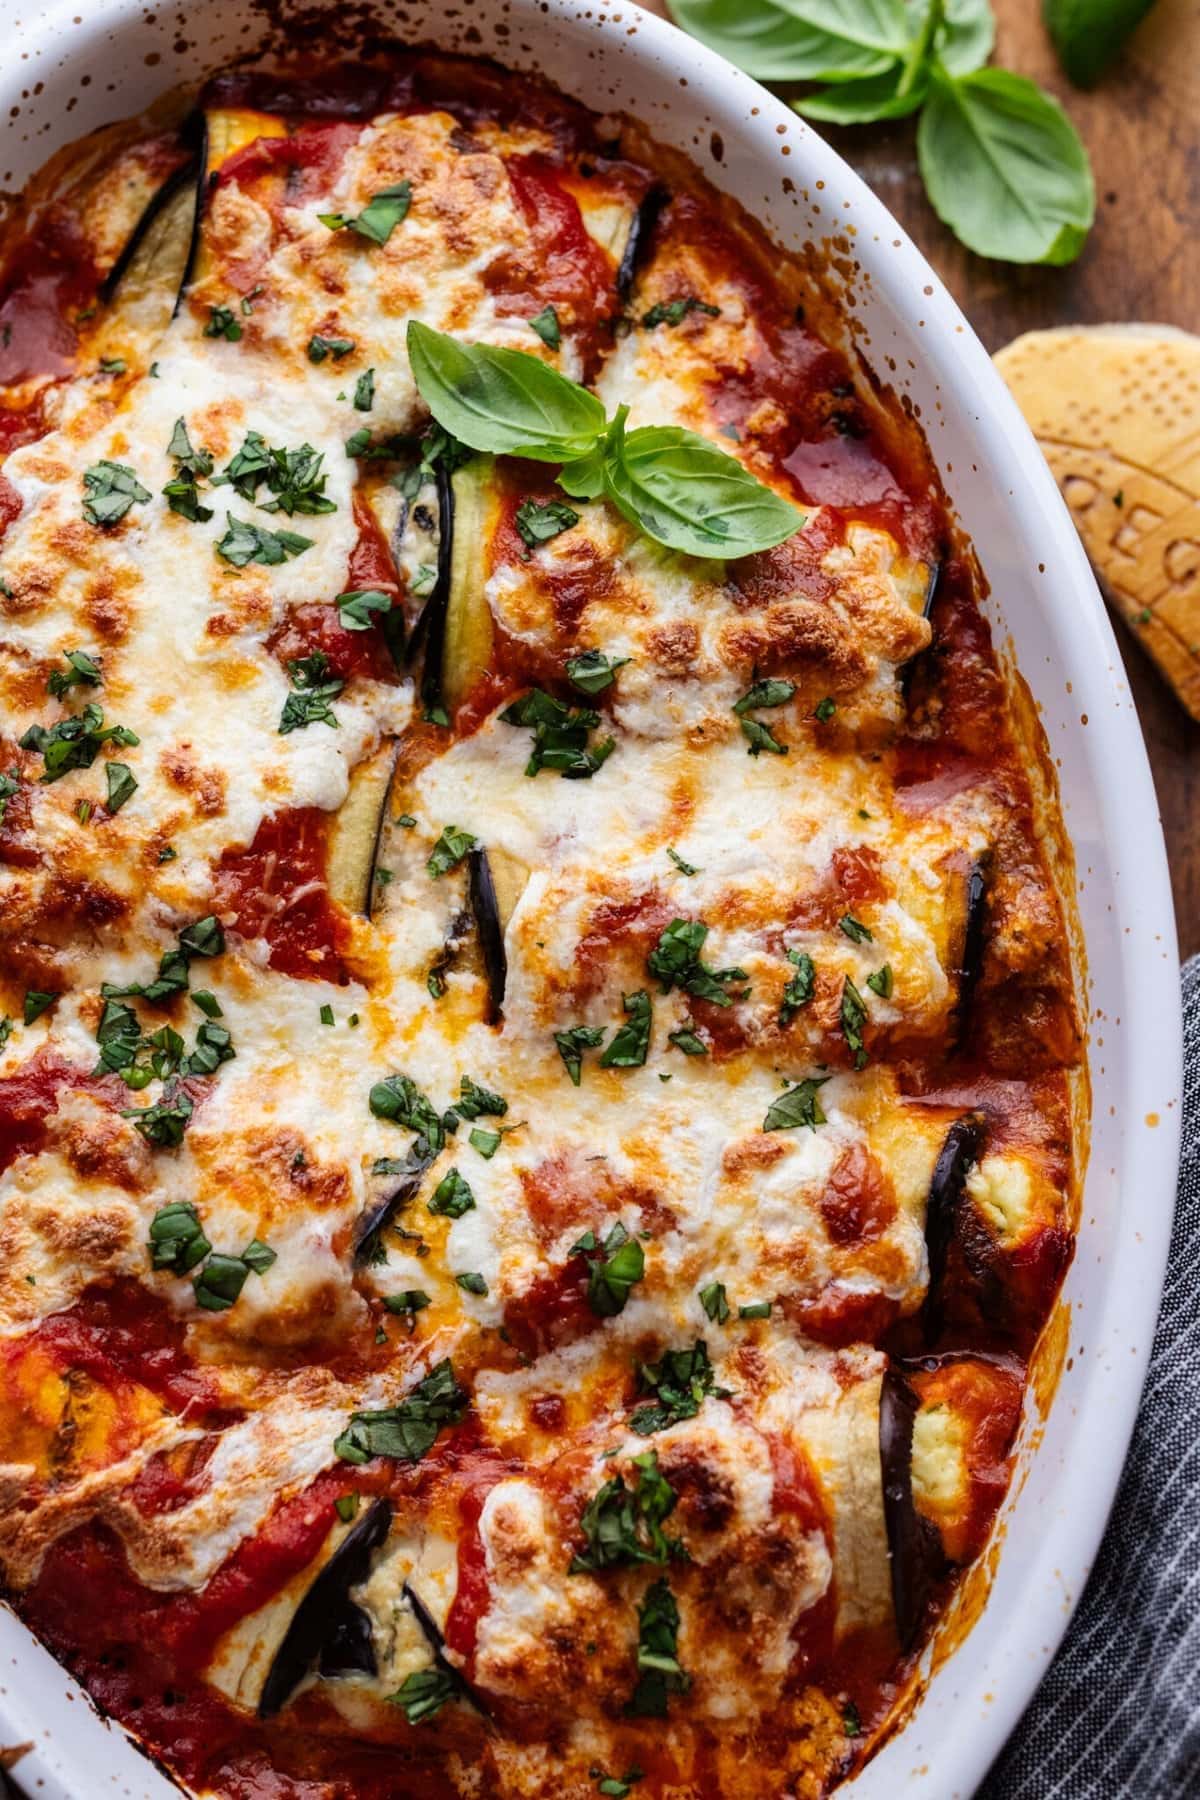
1002, 164
673, 484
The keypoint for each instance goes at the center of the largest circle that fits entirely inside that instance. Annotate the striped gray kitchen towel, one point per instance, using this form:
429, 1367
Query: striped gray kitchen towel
1118, 1714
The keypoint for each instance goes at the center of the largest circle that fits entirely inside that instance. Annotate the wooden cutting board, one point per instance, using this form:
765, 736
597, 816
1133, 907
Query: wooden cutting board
1142, 261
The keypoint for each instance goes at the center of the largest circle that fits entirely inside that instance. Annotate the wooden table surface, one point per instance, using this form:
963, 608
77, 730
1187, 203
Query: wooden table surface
1142, 261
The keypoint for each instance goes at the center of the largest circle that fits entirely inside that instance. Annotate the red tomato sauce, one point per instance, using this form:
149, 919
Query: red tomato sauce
276, 890
126, 1333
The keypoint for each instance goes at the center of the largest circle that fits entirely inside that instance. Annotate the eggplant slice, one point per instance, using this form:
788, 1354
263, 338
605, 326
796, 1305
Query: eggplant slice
485, 907
961, 1149
149, 238
637, 244
378, 1216
974, 940
320, 1622
915, 1556
456, 625
357, 831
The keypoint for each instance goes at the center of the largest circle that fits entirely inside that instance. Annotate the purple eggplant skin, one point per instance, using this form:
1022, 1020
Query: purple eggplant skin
638, 241
961, 1148
913, 1549
323, 1607
437, 1643
931, 588
187, 174
974, 942
482, 894
430, 628
367, 1230
349, 1648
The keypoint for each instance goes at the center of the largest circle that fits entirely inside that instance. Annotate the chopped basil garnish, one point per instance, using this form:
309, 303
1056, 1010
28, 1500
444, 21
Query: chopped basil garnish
675, 961
764, 693
364, 391
449, 850
540, 520
679, 1382
486, 1142
203, 938
854, 929
244, 543
346, 1507
624, 1525
191, 467
6, 1030
423, 1693
379, 218
476, 1102
853, 1016
760, 737
326, 1014
685, 868
715, 1301
686, 1039
881, 982
452, 1196
122, 784
321, 347
616, 1787
399, 1099
408, 1303
591, 671
759, 1309
825, 709
672, 312
36, 1002
312, 691
112, 365
223, 323
560, 735
799, 990
630, 1042
177, 1240
110, 489
609, 1280
571, 1045
800, 1105
472, 1284
659, 1671
356, 608
408, 1431
164, 1123
74, 742
81, 668
547, 327
208, 1003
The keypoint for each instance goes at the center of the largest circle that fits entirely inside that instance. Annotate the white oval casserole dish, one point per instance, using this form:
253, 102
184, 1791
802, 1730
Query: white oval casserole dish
65, 74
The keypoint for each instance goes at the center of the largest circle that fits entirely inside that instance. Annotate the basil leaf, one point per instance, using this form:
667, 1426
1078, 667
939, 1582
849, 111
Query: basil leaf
245, 543
321, 347
1088, 33
452, 1196
673, 312
472, 1283
591, 671
659, 1670
760, 737
715, 1301
800, 988
222, 323
110, 489
165, 1123
807, 42
356, 606
486, 1142
681, 490
758, 1309
449, 850
630, 1041
122, 783
177, 1240
858, 102
408, 1431
881, 982
505, 401
764, 693
967, 35
477, 1102
379, 217
853, 1016
364, 391
609, 1281
540, 520
547, 327
679, 1382
571, 1045
799, 1106
854, 929
81, 668
423, 1693
1004, 167
399, 1099
624, 1526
